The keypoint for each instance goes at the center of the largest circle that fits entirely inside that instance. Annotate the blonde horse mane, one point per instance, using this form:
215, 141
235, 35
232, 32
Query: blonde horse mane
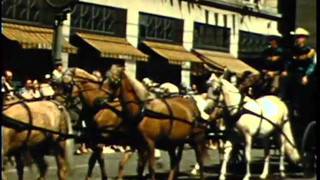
229, 86
140, 89
80, 73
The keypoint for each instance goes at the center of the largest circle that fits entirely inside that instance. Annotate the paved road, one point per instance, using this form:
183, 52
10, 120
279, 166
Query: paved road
211, 170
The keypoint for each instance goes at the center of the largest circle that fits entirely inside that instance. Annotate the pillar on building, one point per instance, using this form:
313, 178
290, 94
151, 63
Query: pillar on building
187, 44
186, 74
234, 35
132, 37
66, 35
131, 68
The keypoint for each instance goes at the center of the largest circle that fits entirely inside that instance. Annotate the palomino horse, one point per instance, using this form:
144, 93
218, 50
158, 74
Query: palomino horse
103, 118
258, 118
164, 123
19, 119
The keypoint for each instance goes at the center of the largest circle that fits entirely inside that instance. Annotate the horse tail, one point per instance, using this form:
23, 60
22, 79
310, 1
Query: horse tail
69, 143
289, 142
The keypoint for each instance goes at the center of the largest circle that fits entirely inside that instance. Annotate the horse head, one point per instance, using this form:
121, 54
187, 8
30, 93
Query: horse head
77, 82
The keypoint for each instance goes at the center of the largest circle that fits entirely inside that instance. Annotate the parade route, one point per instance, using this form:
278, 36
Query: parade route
211, 168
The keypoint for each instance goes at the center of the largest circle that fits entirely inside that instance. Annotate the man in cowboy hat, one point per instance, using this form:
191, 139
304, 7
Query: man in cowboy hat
299, 82
273, 61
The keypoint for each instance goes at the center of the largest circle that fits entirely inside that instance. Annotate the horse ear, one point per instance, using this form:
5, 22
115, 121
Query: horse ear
225, 73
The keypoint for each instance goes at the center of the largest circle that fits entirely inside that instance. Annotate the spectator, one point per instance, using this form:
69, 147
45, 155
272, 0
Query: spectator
194, 88
7, 84
57, 72
36, 90
27, 91
46, 89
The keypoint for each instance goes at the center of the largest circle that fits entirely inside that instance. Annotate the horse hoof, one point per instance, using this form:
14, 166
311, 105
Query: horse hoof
194, 172
246, 177
263, 176
282, 174
222, 177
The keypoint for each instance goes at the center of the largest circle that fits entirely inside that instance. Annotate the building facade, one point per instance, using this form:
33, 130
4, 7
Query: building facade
166, 39
306, 17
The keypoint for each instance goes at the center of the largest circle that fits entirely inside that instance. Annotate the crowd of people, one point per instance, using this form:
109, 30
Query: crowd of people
33, 89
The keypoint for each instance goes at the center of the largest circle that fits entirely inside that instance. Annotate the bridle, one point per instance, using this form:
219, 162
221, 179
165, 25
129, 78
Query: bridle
220, 102
115, 83
77, 80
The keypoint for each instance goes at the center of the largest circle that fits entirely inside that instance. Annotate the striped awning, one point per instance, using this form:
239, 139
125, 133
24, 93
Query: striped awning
175, 54
33, 37
221, 60
113, 47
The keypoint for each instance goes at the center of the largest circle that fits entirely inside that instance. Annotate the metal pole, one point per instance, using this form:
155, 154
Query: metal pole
57, 42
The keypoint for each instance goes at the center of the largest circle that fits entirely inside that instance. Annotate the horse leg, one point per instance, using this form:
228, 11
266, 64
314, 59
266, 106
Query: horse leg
152, 159
175, 159
267, 155
127, 155
196, 169
220, 150
199, 157
248, 142
227, 149
96, 156
62, 166
142, 159
282, 156
41, 164
19, 165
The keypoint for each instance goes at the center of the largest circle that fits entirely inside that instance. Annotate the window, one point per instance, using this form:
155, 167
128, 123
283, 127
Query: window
97, 18
158, 28
251, 44
211, 37
27, 11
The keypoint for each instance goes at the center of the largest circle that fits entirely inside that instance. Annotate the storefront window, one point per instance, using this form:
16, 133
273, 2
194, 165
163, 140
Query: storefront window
251, 44
159, 28
29, 11
98, 18
211, 37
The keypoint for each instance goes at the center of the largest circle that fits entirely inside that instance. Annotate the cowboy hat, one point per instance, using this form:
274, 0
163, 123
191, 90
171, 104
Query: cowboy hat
300, 32
275, 36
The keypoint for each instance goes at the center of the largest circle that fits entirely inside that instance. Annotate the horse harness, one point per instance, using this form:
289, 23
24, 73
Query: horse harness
242, 110
22, 126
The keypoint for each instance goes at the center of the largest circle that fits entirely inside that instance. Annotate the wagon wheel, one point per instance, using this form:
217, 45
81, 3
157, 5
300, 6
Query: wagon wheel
308, 148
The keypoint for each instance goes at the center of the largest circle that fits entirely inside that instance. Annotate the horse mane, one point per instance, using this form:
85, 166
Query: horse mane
230, 86
170, 87
81, 73
142, 93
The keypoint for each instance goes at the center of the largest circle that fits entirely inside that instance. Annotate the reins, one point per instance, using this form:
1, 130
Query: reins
244, 111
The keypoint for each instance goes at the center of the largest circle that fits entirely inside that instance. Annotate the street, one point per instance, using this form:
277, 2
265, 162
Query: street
188, 159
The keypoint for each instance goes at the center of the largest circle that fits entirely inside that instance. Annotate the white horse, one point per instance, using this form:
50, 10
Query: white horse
259, 119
